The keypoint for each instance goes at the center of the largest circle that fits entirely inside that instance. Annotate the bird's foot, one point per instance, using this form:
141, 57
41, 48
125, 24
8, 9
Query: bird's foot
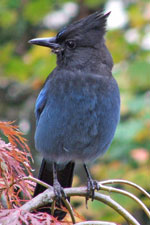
92, 185
59, 191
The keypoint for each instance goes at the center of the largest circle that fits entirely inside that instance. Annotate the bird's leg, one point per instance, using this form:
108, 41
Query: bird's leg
58, 189
92, 185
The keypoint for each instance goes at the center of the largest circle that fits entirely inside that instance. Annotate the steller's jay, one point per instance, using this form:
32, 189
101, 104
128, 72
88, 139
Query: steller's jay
78, 108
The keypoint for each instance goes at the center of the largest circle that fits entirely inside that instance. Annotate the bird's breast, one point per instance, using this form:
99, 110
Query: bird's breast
79, 118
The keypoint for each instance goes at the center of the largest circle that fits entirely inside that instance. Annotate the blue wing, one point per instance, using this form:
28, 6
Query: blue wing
40, 104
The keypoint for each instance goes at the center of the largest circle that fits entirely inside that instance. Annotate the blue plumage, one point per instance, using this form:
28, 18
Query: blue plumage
74, 123
78, 109
40, 103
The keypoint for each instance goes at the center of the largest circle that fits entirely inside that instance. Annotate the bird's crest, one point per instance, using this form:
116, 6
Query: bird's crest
95, 21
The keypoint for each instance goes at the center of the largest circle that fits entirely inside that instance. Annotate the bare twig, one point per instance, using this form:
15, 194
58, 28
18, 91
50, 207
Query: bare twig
37, 181
52, 208
119, 181
116, 190
113, 181
95, 223
108, 201
113, 204
38, 201
48, 195
69, 207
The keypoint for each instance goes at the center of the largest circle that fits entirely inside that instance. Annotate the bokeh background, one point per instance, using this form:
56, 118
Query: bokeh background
24, 68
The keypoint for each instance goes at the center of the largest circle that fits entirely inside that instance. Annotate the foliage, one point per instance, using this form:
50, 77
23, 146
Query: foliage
14, 164
17, 216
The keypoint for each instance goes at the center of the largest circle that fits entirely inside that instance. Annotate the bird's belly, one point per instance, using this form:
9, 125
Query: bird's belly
76, 131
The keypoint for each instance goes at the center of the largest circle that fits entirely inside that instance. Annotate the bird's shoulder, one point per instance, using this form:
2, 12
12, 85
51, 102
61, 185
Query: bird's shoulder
85, 93
77, 87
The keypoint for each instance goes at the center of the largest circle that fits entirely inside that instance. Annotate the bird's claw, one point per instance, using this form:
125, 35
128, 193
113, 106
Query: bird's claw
92, 185
59, 192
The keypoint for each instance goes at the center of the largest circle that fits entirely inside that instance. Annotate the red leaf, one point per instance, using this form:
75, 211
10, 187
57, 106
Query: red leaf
14, 165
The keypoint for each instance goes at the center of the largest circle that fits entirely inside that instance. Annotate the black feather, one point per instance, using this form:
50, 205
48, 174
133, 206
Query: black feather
96, 21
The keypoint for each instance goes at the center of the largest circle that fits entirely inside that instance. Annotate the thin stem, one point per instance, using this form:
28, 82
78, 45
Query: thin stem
53, 208
113, 181
47, 196
95, 223
116, 190
69, 207
117, 207
107, 200
36, 181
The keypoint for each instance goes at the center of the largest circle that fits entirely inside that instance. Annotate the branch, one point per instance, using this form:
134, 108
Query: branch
95, 223
70, 210
109, 189
114, 205
47, 197
116, 190
36, 180
114, 181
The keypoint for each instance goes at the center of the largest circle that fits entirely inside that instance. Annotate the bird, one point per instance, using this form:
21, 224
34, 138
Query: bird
78, 107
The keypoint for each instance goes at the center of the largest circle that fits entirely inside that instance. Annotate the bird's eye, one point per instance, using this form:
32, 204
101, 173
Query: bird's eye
71, 43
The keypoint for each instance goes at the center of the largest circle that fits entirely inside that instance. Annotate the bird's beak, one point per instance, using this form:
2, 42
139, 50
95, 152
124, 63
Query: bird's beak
47, 42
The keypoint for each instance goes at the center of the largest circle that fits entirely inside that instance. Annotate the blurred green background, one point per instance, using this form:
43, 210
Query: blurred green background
23, 69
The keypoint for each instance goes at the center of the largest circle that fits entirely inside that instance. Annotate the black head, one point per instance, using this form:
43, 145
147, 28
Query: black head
77, 41
85, 32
